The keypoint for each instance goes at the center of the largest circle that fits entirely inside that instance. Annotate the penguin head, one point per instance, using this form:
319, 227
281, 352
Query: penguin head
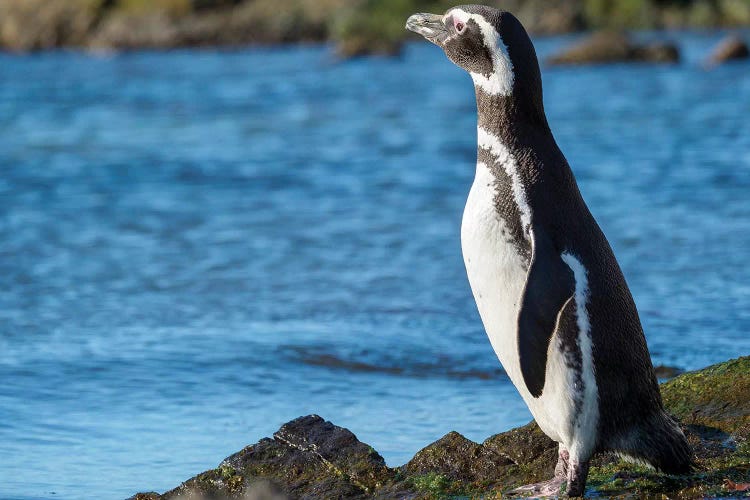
490, 44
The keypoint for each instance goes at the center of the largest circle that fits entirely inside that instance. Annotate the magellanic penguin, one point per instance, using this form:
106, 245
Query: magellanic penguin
549, 290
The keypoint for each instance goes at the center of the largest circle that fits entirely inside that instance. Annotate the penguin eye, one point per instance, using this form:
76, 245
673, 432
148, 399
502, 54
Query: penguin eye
459, 26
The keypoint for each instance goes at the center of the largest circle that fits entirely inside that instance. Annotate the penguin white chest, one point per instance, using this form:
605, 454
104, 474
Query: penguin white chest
497, 274
496, 270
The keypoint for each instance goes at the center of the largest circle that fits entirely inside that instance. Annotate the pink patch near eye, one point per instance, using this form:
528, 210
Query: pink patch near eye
459, 26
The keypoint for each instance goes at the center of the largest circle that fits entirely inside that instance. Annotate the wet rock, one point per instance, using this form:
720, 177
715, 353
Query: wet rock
459, 459
152, 495
307, 458
312, 458
338, 448
611, 47
530, 449
731, 48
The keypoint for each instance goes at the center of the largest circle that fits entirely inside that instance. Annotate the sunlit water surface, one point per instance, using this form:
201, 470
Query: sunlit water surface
196, 247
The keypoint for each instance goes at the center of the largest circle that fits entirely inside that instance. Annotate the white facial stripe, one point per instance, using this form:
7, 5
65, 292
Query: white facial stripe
500, 82
508, 162
459, 14
589, 416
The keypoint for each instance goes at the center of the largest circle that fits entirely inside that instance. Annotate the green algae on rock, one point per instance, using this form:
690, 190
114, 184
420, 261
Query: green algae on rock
312, 458
717, 396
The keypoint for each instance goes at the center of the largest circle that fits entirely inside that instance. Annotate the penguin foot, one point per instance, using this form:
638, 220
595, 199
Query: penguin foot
551, 488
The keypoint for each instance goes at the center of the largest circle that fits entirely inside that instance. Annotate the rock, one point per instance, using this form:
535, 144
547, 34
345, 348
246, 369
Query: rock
360, 46
664, 372
717, 396
312, 458
731, 48
460, 460
338, 448
307, 458
611, 47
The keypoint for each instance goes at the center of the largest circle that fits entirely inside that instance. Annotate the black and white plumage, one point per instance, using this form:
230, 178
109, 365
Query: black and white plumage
549, 290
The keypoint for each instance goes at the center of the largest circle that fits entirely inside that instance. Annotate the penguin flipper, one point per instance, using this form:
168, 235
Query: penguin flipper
550, 284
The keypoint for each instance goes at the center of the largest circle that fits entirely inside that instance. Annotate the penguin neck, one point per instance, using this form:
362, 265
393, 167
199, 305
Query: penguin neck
513, 122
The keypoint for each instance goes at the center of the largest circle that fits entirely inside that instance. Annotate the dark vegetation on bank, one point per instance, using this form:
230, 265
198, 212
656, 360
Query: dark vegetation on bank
355, 26
312, 458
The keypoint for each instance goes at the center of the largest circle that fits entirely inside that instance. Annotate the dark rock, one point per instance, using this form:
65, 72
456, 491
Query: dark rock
731, 48
359, 46
664, 372
308, 458
611, 47
530, 449
523, 444
656, 52
264, 490
152, 495
338, 448
458, 459
312, 458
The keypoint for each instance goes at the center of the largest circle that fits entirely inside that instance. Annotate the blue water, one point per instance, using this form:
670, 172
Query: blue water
198, 246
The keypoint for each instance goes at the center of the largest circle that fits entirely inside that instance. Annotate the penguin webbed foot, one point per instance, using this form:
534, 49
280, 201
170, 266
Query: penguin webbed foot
552, 488
569, 481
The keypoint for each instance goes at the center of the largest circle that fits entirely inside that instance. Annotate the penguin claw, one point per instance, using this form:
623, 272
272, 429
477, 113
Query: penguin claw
551, 488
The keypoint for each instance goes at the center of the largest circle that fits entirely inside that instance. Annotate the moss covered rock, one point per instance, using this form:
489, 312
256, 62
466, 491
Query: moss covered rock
312, 458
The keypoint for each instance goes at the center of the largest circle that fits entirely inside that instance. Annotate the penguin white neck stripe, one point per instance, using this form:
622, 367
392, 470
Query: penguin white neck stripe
589, 417
500, 81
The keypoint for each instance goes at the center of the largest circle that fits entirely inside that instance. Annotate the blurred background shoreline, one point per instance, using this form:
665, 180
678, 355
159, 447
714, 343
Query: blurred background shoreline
354, 27
200, 245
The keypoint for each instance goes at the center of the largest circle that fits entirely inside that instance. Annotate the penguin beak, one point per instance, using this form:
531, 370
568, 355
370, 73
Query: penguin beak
429, 26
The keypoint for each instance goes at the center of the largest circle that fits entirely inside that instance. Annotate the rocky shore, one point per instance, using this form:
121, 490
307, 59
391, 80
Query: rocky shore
312, 458
356, 27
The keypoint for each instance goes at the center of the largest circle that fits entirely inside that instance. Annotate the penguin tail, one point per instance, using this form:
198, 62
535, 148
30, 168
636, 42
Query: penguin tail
660, 443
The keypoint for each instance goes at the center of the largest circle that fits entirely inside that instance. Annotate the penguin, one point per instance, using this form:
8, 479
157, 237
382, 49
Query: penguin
551, 295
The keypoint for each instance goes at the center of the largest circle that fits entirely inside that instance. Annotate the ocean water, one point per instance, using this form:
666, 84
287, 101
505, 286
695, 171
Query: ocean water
198, 246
